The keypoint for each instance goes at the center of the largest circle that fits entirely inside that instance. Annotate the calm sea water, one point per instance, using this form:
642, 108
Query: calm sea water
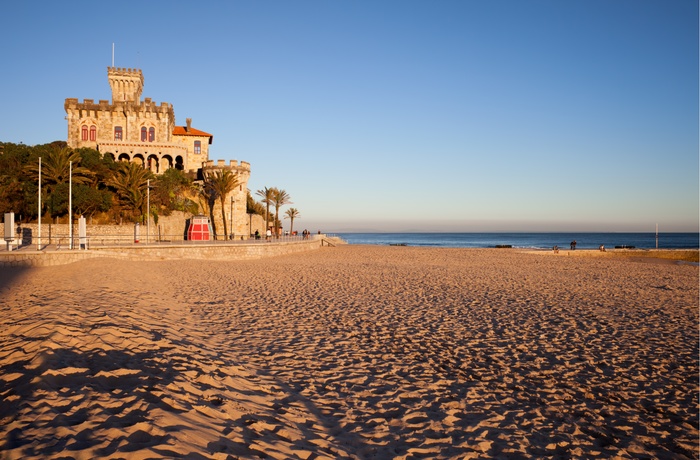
528, 240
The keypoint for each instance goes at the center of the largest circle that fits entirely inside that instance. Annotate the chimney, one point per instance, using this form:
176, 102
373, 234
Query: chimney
189, 124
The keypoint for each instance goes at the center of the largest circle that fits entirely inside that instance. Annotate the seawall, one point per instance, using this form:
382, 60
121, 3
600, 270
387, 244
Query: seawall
26, 257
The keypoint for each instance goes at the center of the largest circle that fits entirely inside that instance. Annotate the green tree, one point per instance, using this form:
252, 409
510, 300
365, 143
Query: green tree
13, 176
58, 200
89, 200
252, 206
169, 192
203, 199
130, 182
279, 199
220, 183
61, 165
267, 195
291, 214
102, 166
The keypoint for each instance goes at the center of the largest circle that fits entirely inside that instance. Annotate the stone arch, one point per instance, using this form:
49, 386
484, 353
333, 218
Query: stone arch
110, 154
179, 163
139, 159
124, 157
167, 162
153, 163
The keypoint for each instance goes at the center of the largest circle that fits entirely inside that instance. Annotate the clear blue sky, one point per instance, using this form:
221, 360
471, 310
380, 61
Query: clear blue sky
521, 115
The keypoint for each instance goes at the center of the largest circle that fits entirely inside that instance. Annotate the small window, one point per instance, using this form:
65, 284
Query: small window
117, 133
151, 134
93, 133
144, 133
84, 132
197, 147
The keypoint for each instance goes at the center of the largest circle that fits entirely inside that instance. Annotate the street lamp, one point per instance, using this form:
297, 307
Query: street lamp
148, 212
233, 234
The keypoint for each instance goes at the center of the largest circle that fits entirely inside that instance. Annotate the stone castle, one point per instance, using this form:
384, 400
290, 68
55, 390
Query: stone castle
143, 132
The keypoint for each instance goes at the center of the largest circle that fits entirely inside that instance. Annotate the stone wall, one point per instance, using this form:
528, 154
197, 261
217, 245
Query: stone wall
170, 228
195, 251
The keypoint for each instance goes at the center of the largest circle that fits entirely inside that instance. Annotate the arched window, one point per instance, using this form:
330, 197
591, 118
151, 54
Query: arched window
84, 132
93, 133
197, 147
151, 134
118, 133
144, 133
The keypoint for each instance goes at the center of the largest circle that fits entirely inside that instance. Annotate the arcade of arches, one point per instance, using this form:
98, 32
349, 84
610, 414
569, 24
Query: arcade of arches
156, 163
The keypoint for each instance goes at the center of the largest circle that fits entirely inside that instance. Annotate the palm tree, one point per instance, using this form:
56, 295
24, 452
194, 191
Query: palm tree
205, 199
56, 168
279, 199
291, 214
130, 181
267, 196
201, 195
222, 182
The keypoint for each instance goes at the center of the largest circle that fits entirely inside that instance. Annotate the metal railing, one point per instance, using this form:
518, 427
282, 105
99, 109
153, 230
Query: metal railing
62, 242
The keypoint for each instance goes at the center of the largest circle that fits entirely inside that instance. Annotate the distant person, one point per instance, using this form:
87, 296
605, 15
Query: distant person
555, 249
573, 245
257, 234
602, 248
268, 234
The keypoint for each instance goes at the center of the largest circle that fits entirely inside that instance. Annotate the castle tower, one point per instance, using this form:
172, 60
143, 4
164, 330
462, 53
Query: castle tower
126, 84
238, 221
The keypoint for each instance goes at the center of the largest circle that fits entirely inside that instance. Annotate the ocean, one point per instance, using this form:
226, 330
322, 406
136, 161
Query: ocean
584, 240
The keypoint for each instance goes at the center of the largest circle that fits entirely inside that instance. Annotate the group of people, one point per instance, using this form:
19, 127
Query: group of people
573, 247
268, 234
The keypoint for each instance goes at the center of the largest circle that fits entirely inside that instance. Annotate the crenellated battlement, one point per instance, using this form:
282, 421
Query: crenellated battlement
165, 109
124, 70
234, 165
126, 84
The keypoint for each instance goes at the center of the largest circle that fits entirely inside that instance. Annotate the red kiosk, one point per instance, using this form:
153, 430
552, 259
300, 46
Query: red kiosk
199, 229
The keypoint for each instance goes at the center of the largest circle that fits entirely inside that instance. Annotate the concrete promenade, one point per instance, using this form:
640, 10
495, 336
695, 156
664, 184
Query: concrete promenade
29, 256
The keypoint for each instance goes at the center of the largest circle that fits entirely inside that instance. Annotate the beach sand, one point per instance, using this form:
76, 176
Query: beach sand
351, 352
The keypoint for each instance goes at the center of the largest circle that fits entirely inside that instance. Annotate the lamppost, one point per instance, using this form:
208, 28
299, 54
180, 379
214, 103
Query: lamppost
233, 234
70, 204
148, 212
38, 244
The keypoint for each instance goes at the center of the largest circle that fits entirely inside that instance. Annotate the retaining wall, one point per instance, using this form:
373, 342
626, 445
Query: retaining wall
169, 228
201, 251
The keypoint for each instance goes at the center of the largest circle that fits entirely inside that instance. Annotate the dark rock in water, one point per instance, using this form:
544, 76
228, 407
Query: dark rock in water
623, 246
398, 244
504, 246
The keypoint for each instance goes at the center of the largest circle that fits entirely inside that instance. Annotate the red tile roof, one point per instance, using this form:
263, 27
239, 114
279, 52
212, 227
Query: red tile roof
183, 131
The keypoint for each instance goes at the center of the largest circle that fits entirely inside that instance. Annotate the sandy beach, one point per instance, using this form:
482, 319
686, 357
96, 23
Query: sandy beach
356, 352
